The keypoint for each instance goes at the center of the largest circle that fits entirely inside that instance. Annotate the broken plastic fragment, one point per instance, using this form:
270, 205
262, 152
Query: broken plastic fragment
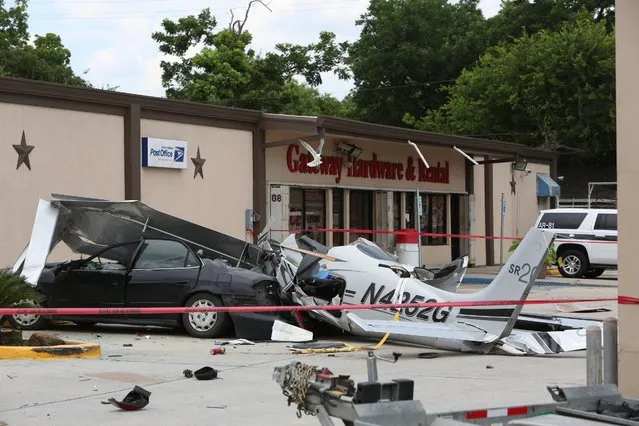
137, 399
206, 373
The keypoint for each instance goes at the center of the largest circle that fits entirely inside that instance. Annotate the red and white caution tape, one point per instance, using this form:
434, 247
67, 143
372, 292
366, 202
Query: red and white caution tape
425, 234
296, 308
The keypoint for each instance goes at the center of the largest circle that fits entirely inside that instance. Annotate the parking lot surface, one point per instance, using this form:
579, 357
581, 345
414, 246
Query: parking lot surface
68, 392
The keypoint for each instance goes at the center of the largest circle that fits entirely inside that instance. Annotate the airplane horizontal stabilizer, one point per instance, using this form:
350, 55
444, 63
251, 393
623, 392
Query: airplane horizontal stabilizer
547, 343
455, 332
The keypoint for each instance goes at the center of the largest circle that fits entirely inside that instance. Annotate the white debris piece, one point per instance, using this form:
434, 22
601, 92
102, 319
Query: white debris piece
284, 332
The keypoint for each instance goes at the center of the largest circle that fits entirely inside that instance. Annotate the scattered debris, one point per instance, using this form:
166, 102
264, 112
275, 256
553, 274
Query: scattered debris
206, 373
217, 406
128, 345
236, 342
319, 345
577, 308
95, 388
115, 356
187, 373
489, 367
85, 380
428, 355
42, 339
11, 377
137, 399
284, 332
218, 351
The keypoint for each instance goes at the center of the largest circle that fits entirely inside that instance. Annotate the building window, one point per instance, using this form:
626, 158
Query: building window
361, 213
338, 216
433, 219
307, 211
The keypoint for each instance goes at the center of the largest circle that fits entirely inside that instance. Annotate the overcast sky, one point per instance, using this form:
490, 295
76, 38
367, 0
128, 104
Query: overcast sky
112, 38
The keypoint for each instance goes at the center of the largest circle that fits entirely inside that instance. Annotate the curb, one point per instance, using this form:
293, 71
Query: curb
73, 349
541, 282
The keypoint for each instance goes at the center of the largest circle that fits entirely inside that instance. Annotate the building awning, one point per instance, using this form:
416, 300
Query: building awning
546, 186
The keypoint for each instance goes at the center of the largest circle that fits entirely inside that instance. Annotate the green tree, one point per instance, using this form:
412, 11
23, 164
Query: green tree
226, 71
550, 89
45, 59
531, 16
407, 49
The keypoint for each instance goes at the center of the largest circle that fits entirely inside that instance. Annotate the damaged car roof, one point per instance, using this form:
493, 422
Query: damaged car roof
89, 225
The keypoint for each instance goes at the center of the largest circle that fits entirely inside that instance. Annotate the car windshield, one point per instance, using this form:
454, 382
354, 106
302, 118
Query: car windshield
374, 251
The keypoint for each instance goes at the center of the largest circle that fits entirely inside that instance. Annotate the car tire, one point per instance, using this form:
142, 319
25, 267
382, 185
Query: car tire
574, 264
594, 273
28, 322
205, 324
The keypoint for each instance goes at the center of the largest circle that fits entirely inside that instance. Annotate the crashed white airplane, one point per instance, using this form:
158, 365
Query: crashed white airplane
217, 269
363, 273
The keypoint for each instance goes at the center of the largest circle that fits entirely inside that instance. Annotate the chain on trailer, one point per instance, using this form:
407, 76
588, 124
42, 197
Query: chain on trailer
319, 392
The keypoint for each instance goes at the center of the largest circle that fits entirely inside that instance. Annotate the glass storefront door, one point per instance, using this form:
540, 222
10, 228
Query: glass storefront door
361, 213
307, 207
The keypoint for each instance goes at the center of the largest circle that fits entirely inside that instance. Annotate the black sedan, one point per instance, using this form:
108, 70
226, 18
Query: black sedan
158, 273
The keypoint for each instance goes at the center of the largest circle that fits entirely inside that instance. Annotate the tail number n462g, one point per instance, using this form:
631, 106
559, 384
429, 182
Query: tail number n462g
374, 296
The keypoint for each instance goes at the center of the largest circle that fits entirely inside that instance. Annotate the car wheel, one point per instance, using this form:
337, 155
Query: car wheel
205, 324
28, 322
574, 264
594, 273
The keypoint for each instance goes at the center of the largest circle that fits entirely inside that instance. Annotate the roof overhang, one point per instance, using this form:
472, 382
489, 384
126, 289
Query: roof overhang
353, 129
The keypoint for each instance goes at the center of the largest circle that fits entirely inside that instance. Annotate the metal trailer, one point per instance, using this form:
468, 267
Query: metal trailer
320, 393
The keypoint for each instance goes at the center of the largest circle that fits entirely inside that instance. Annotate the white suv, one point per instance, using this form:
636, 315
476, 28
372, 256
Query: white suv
586, 240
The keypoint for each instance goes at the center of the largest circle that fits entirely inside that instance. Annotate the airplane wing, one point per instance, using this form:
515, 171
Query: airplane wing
455, 332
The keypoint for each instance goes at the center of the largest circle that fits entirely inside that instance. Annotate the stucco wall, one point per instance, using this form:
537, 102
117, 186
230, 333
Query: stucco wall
627, 32
220, 199
521, 207
76, 153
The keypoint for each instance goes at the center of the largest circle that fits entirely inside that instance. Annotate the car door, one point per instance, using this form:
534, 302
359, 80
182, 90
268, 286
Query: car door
604, 246
97, 282
162, 274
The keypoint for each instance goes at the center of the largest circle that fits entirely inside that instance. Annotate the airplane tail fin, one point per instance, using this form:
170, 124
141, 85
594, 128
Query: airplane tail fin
513, 282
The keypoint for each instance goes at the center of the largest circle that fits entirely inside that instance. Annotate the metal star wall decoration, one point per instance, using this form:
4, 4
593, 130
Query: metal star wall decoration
23, 151
198, 162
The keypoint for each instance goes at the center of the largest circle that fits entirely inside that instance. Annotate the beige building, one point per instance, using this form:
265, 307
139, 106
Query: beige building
212, 165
